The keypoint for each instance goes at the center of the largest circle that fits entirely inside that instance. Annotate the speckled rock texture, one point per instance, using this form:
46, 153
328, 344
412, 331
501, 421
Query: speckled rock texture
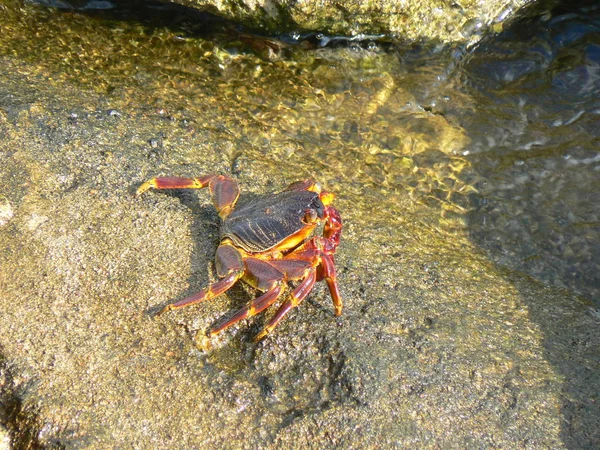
410, 19
437, 347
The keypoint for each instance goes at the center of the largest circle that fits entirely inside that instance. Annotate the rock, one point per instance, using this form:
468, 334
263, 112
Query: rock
407, 19
437, 346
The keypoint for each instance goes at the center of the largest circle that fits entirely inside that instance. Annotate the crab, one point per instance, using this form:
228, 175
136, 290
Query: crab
267, 243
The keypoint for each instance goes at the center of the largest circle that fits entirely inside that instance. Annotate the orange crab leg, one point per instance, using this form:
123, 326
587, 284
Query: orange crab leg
264, 275
304, 185
254, 307
299, 294
206, 294
230, 267
312, 252
175, 183
224, 190
327, 272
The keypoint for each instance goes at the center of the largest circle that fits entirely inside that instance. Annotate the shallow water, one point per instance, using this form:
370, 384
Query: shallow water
534, 129
499, 141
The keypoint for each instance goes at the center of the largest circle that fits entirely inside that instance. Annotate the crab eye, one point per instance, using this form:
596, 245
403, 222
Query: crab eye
310, 216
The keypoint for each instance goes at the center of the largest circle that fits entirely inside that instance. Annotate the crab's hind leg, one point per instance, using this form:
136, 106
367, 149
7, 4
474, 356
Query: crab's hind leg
254, 307
304, 185
175, 183
299, 294
230, 268
266, 277
224, 190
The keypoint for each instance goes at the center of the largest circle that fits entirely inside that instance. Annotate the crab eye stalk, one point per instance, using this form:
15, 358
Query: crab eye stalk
310, 216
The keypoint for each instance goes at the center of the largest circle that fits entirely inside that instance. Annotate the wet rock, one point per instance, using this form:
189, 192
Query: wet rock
437, 346
406, 20
413, 19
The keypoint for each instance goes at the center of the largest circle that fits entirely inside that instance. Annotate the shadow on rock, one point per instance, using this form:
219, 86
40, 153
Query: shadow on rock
539, 192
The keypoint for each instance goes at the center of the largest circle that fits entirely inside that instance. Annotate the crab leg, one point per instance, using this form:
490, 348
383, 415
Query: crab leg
224, 190
299, 294
304, 185
206, 294
265, 276
312, 253
332, 231
254, 307
327, 272
230, 268
175, 183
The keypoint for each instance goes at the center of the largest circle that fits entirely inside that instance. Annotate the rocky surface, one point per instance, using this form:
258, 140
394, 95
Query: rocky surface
410, 19
437, 346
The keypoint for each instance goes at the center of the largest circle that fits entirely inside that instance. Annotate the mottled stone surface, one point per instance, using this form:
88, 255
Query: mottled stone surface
437, 346
410, 19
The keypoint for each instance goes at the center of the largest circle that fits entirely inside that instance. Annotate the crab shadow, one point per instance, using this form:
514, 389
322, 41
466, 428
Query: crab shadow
205, 230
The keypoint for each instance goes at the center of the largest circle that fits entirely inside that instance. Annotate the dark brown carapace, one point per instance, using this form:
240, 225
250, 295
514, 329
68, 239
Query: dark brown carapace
267, 243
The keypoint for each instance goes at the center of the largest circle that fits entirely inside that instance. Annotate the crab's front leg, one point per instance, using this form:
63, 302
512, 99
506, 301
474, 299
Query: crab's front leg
332, 230
326, 271
224, 190
319, 253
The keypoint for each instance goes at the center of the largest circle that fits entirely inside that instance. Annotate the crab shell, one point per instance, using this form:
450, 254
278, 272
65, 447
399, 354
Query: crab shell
274, 222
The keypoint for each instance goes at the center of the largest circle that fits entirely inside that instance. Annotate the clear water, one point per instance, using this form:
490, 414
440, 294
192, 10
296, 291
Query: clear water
499, 141
535, 134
